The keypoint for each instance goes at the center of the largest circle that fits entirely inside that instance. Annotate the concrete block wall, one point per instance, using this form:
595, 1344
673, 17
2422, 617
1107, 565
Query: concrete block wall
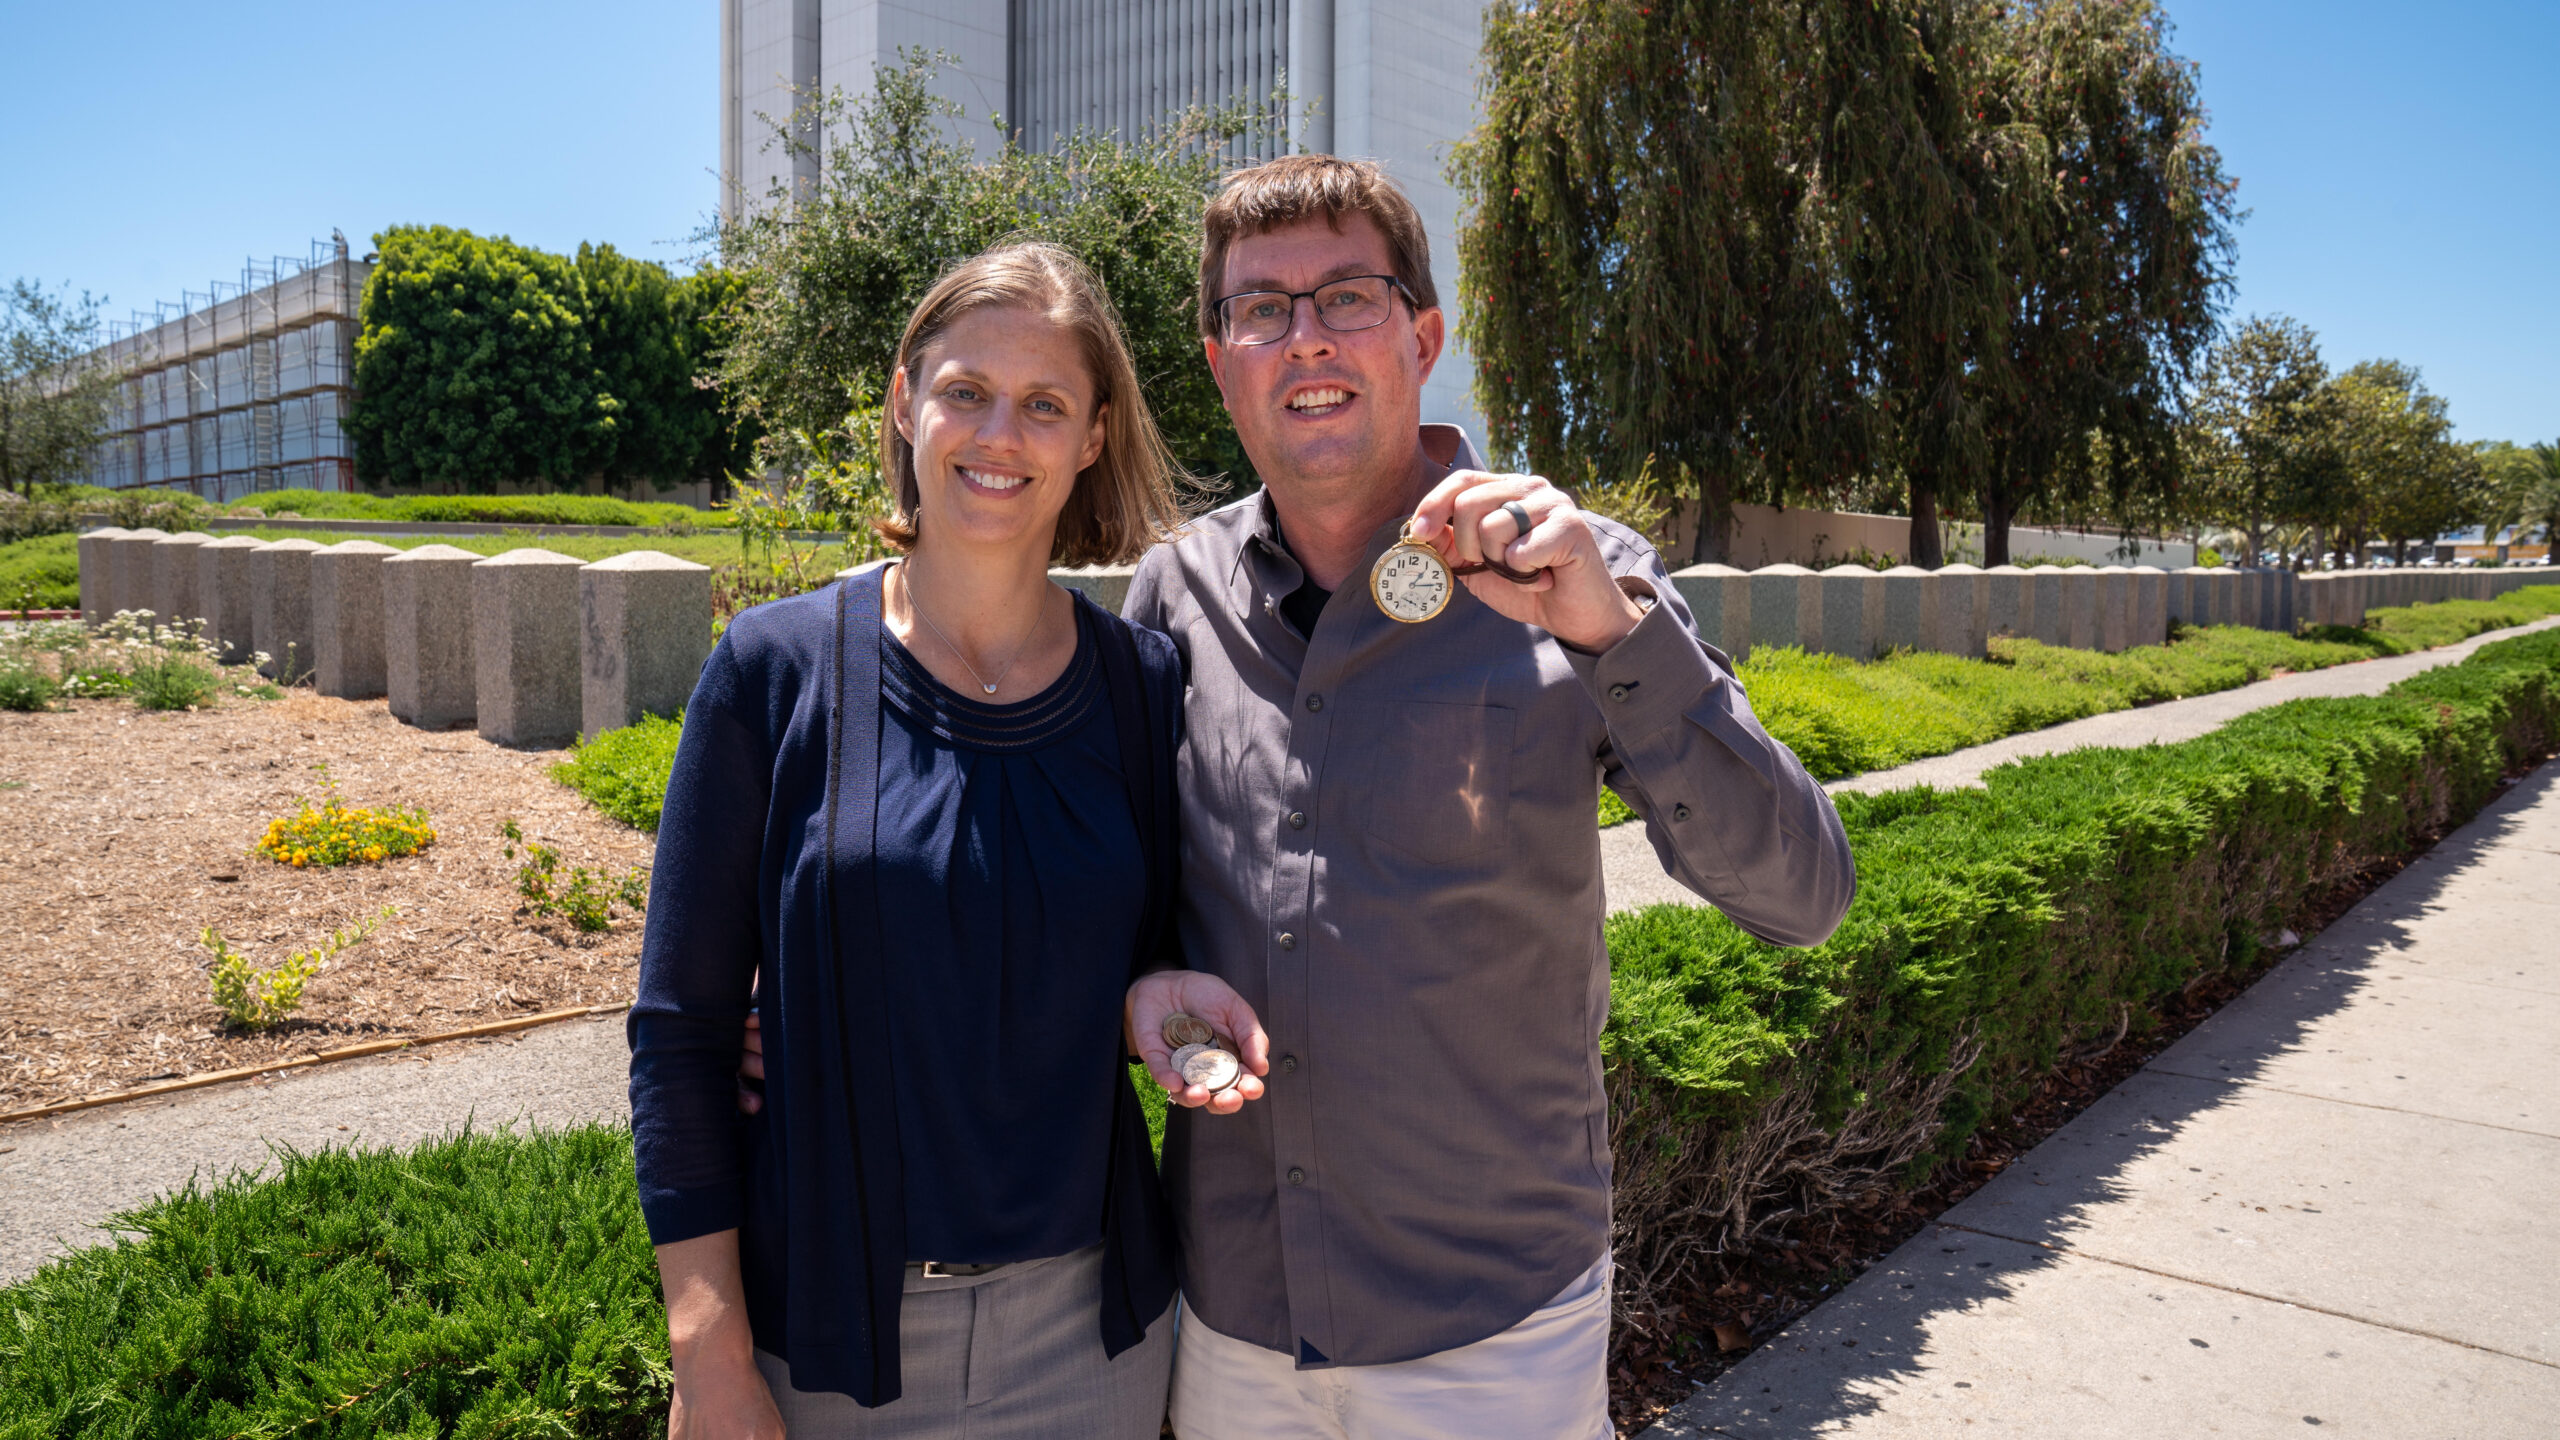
535, 647
224, 596
97, 573
647, 631
346, 619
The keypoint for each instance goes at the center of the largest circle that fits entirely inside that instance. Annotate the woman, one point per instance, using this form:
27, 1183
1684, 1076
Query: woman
922, 820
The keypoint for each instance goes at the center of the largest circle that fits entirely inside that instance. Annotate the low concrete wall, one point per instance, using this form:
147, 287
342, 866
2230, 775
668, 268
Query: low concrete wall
536, 647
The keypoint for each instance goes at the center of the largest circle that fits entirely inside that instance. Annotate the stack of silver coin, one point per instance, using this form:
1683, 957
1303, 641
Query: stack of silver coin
1203, 1056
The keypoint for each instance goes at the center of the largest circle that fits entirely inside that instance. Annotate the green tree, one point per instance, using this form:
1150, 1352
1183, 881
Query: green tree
2541, 500
484, 361
2407, 477
2263, 438
2118, 263
54, 386
648, 340
825, 280
1647, 265
474, 366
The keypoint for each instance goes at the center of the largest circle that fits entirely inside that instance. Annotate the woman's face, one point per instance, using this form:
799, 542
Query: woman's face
1002, 416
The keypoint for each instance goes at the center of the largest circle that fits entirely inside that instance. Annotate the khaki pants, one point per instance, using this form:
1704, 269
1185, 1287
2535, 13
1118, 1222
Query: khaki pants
1543, 1379
1015, 1354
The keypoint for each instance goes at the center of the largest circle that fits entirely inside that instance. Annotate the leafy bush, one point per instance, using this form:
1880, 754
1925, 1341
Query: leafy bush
585, 899
42, 573
624, 772
2000, 929
25, 688
334, 833
483, 1285
257, 998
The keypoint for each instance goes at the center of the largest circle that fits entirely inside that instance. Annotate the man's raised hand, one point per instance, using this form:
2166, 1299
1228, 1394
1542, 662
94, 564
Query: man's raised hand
1577, 600
1211, 999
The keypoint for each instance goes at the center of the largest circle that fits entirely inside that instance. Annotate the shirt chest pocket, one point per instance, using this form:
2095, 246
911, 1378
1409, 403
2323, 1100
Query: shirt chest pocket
1438, 786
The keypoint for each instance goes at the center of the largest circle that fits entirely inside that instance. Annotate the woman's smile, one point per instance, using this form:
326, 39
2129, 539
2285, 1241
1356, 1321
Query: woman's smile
991, 482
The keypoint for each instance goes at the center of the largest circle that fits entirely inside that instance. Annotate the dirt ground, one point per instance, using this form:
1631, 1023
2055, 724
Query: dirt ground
124, 833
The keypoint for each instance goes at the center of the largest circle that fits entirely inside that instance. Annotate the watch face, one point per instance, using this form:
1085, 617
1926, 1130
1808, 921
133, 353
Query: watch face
1411, 583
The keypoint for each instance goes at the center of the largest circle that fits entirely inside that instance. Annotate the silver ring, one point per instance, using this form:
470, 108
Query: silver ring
1519, 514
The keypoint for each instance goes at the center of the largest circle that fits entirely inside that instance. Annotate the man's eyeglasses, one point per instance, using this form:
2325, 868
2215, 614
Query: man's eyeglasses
1358, 302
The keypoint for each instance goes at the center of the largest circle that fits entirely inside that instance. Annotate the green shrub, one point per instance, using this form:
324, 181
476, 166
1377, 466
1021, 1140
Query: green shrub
41, 573
255, 997
1999, 929
1846, 717
478, 509
624, 772
484, 1285
25, 688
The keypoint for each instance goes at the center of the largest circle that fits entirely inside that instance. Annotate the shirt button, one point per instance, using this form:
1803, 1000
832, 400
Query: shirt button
1679, 812
1288, 1064
1617, 692
1288, 941
1297, 1176
1315, 702
1297, 819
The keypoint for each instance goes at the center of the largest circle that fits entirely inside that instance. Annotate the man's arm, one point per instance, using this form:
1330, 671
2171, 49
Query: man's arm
1730, 810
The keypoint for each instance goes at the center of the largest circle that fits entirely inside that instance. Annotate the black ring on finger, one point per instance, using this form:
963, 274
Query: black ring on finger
1519, 514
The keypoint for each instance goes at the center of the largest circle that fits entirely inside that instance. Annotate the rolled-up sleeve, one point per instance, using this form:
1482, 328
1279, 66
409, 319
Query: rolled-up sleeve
1729, 809
698, 962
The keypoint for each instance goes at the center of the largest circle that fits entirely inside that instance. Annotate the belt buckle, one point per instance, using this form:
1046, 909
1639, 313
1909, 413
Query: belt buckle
933, 1271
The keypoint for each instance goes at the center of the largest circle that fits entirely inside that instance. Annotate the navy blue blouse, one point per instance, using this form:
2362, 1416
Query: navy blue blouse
1011, 888
821, 793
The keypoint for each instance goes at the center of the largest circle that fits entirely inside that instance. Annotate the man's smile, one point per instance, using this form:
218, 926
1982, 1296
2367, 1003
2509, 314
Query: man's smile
1318, 399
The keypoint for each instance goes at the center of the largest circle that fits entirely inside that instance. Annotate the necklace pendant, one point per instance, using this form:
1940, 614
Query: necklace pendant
990, 689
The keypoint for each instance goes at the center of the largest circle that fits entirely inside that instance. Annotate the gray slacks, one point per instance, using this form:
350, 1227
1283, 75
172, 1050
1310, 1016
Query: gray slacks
1011, 1355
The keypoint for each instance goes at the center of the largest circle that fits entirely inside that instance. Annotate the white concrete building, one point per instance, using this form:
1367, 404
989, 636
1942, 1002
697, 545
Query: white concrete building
1394, 83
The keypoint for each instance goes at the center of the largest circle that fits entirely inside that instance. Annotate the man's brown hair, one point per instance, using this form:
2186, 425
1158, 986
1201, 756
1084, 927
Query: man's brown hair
1262, 198
1129, 498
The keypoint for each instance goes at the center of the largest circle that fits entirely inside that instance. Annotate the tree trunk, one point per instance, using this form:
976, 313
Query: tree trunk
1928, 548
1996, 511
1713, 541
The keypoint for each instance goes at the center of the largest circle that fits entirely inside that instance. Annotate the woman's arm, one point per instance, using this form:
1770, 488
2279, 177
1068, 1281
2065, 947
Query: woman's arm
719, 1393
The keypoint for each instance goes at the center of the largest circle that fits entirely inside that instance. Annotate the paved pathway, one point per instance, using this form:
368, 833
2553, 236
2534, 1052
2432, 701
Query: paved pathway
1634, 877
2327, 1210
60, 1177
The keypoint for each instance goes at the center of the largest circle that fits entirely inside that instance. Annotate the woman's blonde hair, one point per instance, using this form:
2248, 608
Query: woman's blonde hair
1127, 499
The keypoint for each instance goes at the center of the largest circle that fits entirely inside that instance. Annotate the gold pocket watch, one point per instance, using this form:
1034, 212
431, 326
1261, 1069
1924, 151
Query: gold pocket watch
1411, 583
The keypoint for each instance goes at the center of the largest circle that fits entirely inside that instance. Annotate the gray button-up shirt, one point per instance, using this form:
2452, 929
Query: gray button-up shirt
1390, 850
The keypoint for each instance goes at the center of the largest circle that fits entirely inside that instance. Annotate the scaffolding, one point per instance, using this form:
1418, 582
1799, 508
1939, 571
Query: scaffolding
241, 387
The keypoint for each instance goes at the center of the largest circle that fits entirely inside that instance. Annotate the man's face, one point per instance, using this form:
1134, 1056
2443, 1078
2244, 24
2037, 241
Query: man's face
1321, 405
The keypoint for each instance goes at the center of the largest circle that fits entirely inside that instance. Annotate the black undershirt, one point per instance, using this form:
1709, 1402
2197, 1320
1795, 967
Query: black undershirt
1301, 606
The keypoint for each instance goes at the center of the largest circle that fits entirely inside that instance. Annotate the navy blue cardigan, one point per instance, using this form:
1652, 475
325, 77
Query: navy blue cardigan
764, 880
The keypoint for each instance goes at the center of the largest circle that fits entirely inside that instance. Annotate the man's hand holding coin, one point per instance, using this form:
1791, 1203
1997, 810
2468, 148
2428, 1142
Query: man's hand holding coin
1200, 1040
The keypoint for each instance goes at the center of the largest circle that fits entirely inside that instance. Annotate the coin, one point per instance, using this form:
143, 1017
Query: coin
1212, 1070
1182, 1056
1221, 1042
1181, 1029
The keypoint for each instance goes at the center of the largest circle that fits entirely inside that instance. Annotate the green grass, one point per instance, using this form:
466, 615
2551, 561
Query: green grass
41, 574
484, 509
624, 772
484, 1285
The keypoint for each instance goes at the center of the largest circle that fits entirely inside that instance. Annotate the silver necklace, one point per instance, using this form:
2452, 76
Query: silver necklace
983, 682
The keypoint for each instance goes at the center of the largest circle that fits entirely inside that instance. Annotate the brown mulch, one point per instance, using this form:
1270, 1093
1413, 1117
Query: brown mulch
1759, 1294
124, 833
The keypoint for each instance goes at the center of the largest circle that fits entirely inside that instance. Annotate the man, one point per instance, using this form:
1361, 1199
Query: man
1391, 871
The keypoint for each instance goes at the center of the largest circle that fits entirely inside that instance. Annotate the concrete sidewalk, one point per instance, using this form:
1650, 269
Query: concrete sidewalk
1633, 876
2326, 1210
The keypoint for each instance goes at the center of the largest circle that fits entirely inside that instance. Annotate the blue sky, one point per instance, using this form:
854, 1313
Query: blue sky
2399, 161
